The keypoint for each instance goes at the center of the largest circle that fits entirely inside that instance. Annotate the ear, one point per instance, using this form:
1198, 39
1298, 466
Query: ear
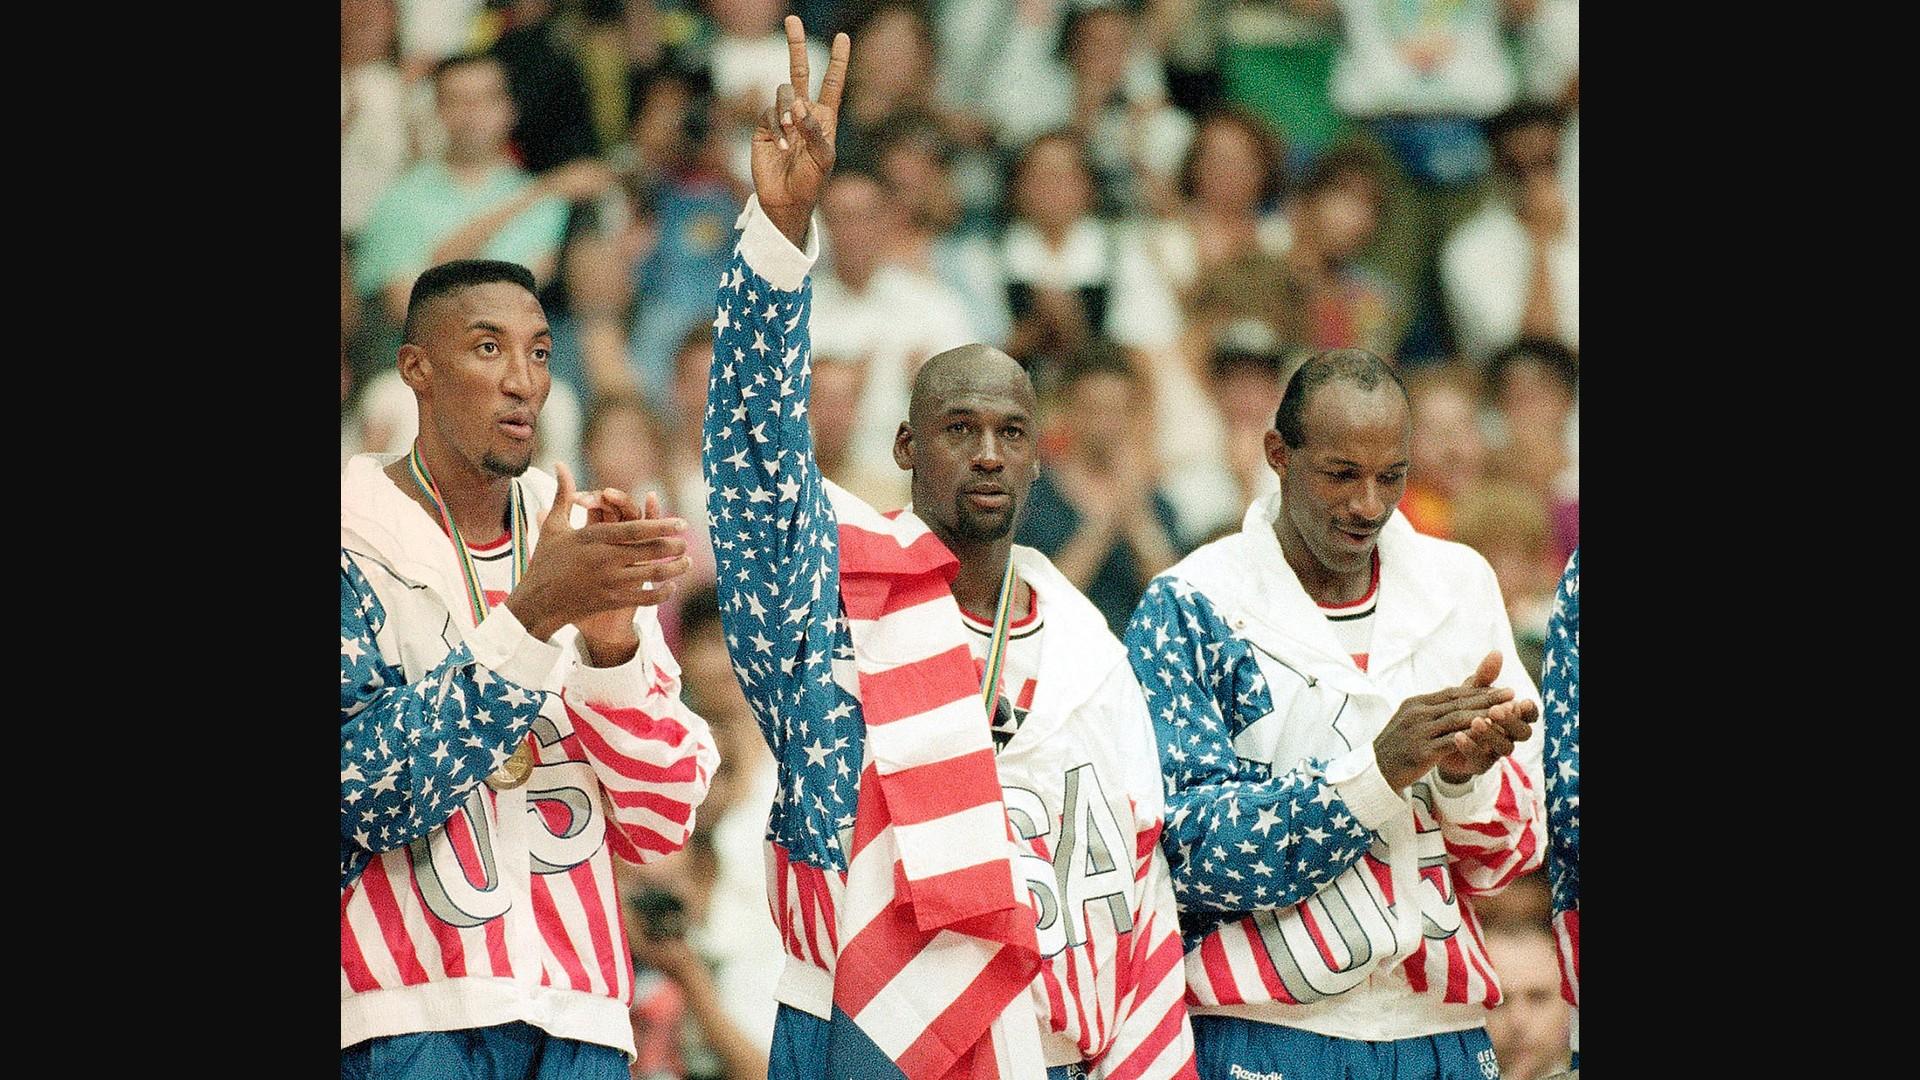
1276, 451
415, 369
903, 446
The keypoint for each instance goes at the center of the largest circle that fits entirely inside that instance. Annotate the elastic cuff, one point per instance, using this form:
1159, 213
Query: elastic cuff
769, 253
503, 646
1356, 776
1465, 802
623, 684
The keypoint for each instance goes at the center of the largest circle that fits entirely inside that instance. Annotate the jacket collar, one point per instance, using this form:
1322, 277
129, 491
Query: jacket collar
380, 520
1408, 609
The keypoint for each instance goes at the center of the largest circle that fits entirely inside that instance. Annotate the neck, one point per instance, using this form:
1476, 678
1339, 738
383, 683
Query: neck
855, 276
1054, 232
1323, 585
476, 498
982, 565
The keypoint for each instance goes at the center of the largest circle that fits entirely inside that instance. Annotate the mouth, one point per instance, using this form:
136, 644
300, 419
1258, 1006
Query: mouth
988, 498
517, 426
1356, 537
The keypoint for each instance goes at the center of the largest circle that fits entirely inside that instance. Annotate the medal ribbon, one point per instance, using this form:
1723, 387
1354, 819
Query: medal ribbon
997, 647
476, 597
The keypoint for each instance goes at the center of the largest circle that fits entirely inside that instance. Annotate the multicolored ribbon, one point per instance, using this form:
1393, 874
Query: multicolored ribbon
997, 647
476, 596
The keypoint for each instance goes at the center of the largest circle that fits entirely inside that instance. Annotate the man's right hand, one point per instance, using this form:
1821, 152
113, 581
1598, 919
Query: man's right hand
575, 573
1420, 732
793, 142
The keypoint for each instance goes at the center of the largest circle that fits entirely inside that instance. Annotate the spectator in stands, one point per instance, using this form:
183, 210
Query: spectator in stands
1319, 294
1449, 452
1513, 269
1507, 524
474, 202
1530, 1026
688, 191
870, 309
721, 888
375, 145
1071, 276
1096, 79
554, 119
1096, 509
891, 75
914, 163
1531, 416
1230, 188
1420, 79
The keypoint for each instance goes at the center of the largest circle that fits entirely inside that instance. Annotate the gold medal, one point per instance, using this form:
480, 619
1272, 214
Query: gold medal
515, 771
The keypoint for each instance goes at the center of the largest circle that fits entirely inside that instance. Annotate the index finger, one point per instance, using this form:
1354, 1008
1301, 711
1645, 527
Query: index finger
797, 54
836, 80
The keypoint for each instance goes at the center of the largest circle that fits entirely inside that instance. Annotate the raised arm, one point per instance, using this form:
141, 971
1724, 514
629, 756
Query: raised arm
773, 530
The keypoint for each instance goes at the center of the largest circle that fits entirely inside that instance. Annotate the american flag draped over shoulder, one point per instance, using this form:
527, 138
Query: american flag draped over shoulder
932, 899
933, 941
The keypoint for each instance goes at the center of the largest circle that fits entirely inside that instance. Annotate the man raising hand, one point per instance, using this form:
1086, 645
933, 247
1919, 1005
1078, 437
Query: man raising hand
964, 862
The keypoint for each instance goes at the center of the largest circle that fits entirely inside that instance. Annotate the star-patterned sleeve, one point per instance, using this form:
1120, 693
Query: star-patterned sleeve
1494, 825
653, 755
774, 531
408, 751
1241, 835
1560, 711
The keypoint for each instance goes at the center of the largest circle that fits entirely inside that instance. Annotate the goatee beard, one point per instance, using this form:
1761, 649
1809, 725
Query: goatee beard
498, 467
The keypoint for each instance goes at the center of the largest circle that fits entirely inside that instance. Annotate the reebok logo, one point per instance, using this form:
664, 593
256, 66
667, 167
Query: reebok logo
1238, 1072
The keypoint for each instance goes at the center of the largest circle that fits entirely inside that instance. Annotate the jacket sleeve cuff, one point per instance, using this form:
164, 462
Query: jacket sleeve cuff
1356, 776
503, 646
622, 684
769, 253
1464, 802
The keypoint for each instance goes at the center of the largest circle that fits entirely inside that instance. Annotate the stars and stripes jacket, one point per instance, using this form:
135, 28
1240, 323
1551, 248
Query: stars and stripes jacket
462, 906
1311, 893
1079, 779
1560, 712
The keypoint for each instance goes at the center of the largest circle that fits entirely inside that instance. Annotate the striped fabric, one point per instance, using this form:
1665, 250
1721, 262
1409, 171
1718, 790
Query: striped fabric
475, 906
939, 937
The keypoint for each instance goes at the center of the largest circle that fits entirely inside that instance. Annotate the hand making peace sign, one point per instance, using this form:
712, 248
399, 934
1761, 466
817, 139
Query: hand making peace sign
793, 142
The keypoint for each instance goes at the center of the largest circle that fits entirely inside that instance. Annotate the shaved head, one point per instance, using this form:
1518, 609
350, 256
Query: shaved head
969, 369
968, 440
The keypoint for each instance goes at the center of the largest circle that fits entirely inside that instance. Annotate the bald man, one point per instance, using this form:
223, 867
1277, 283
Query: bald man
963, 856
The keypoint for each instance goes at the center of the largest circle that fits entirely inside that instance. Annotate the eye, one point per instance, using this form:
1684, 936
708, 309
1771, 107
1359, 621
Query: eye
542, 354
1342, 474
488, 348
959, 427
1394, 478
1013, 431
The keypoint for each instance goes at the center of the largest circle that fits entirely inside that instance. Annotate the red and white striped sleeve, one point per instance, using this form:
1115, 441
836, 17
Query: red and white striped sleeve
1153, 1039
653, 755
1495, 825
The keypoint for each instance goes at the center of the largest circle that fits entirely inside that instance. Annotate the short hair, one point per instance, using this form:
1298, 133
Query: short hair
454, 276
1554, 355
1266, 142
1521, 115
458, 60
1343, 160
1357, 366
1098, 356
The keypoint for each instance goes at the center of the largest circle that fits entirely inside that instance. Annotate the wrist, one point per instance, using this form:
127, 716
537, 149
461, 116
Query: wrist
539, 624
610, 650
792, 225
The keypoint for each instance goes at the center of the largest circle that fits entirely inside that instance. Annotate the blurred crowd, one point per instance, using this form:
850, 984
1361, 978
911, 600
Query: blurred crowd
1158, 207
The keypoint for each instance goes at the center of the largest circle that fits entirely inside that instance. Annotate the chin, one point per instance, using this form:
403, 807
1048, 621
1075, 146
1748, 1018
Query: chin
974, 528
500, 466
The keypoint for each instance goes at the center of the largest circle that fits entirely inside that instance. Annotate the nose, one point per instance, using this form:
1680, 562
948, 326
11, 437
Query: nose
1370, 504
517, 380
987, 457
